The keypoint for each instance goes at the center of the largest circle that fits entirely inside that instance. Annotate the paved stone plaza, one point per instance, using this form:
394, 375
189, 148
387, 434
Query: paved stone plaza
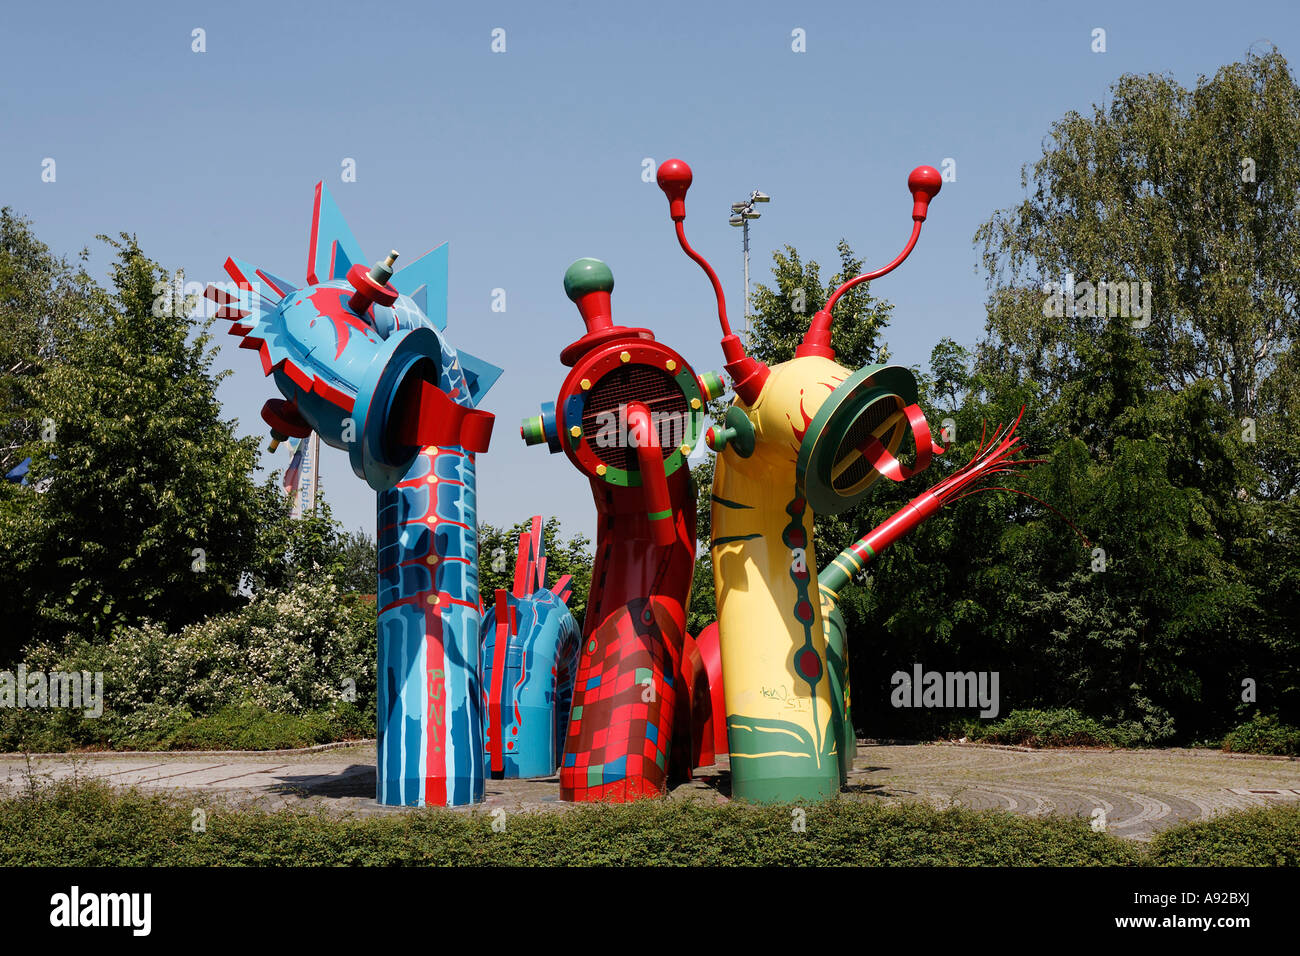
1140, 791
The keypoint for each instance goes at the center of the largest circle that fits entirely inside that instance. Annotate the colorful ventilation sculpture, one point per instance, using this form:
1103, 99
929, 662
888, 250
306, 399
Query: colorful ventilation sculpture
805, 436
359, 356
628, 414
530, 656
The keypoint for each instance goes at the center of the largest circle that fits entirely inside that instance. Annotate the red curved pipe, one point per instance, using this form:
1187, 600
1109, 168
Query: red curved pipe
713, 277
654, 482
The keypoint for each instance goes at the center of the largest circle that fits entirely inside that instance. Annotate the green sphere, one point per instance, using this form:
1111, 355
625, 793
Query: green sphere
586, 276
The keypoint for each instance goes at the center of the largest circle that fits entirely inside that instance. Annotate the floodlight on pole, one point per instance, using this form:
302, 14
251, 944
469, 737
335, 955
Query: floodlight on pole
742, 213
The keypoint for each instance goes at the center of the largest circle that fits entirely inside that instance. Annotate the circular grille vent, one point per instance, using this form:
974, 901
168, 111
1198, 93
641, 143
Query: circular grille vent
669, 411
831, 471
861, 429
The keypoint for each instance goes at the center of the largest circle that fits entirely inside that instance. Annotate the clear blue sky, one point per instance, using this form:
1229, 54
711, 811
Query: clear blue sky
529, 159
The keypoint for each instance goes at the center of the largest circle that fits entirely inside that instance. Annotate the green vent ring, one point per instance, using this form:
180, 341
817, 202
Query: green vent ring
831, 473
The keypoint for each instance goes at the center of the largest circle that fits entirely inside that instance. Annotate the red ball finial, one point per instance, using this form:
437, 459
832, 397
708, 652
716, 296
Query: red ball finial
674, 178
924, 183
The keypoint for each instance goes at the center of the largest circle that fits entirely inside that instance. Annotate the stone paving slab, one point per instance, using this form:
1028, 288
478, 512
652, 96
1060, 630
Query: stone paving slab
1139, 792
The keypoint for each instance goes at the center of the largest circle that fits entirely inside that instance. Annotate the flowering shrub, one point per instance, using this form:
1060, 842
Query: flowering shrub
302, 650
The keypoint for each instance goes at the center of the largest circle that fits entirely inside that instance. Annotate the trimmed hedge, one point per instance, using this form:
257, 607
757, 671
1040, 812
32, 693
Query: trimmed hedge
233, 727
1267, 836
91, 824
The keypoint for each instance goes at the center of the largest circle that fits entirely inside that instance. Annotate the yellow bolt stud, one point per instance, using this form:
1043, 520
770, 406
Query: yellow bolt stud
586, 384
686, 449
695, 403
671, 365
601, 469
433, 599
575, 431
625, 356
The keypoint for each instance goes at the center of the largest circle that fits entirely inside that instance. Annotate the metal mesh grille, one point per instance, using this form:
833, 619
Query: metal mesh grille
857, 436
634, 383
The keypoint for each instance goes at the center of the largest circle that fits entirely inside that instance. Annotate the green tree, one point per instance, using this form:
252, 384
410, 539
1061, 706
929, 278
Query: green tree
783, 311
42, 301
950, 375
357, 562
1168, 426
286, 550
1196, 192
1144, 410
148, 508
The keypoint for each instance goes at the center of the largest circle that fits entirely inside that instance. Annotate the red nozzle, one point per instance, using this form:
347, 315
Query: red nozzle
747, 374
674, 178
925, 183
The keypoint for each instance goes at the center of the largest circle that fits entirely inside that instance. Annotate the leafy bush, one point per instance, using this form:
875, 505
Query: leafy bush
1264, 734
1062, 727
234, 727
249, 727
287, 654
1268, 836
99, 826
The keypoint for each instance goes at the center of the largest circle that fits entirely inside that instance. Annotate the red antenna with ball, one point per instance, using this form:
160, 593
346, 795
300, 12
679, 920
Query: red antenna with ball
747, 374
924, 184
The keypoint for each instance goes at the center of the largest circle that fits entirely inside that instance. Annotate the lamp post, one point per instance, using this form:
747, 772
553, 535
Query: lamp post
741, 213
